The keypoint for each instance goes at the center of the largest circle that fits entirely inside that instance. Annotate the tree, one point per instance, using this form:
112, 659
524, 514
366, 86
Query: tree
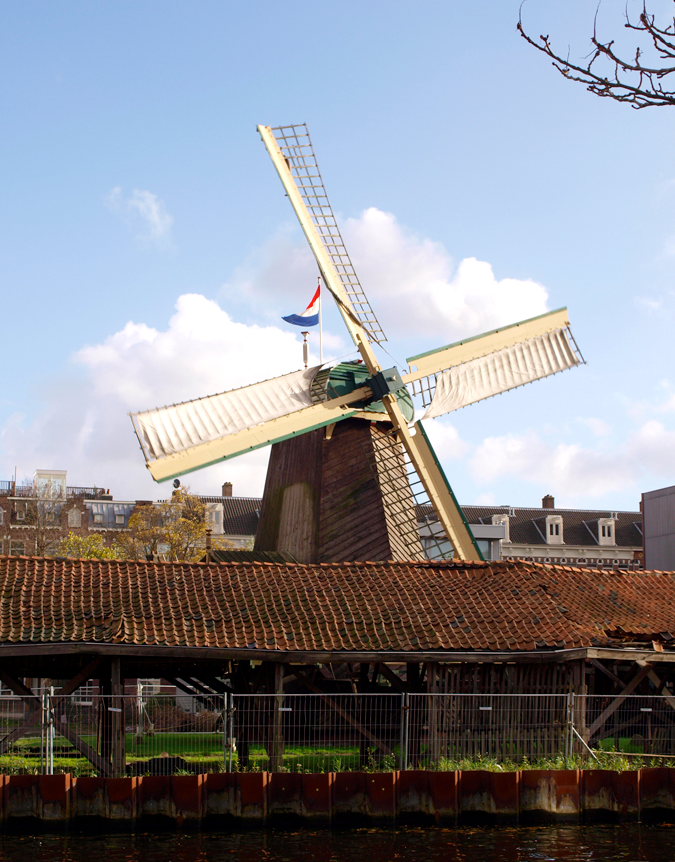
40, 515
89, 547
175, 529
614, 75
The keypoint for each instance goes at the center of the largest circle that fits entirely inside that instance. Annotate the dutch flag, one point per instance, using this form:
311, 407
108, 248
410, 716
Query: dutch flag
310, 316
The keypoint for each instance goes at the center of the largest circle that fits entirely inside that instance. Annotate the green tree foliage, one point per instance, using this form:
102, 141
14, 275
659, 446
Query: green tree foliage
174, 529
89, 547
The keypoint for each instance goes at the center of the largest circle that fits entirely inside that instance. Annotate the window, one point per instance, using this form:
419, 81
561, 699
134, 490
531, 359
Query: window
119, 520
98, 518
554, 529
74, 518
20, 511
17, 548
2, 516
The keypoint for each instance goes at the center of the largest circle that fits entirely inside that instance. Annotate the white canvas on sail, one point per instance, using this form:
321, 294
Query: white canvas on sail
168, 430
503, 370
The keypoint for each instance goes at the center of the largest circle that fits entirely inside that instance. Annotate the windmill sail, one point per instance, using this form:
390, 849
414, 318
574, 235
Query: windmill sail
506, 369
169, 430
477, 368
296, 148
184, 437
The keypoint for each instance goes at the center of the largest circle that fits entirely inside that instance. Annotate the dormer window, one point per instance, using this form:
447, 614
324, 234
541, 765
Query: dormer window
504, 521
606, 531
554, 530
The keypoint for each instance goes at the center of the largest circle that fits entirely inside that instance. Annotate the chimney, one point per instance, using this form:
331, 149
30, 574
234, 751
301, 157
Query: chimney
227, 489
548, 502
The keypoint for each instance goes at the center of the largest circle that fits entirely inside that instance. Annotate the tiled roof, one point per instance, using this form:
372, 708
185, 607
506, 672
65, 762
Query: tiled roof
241, 556
330, 607
240, 514
241, 519
579, 526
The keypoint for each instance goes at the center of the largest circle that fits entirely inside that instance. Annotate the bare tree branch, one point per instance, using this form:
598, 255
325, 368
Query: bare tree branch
624, 80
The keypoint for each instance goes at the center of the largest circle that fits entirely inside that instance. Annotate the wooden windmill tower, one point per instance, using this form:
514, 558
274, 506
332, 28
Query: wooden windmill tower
348, 464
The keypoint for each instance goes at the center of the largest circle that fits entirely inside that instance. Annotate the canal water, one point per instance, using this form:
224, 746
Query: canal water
627, 843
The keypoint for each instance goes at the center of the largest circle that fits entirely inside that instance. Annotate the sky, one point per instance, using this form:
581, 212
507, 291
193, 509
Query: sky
148, 252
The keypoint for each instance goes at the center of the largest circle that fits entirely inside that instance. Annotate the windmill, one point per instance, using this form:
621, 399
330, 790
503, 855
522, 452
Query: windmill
349, 468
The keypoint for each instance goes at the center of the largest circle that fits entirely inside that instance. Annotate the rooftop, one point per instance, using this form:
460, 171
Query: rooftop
405, 607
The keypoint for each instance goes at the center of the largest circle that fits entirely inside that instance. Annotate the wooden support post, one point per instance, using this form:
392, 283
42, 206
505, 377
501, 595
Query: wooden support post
433, 704
118, 735
580, 701
104, 714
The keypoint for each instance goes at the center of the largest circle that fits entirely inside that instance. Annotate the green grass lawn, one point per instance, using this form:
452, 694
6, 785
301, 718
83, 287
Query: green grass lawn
207, 750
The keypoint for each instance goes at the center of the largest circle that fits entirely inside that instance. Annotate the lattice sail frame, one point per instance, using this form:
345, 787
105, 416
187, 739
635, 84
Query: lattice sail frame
296, 147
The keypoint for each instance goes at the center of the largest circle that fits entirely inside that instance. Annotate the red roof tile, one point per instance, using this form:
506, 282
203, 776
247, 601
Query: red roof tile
345, 606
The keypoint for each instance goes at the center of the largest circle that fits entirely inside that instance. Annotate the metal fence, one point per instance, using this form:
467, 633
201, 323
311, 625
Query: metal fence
172, 734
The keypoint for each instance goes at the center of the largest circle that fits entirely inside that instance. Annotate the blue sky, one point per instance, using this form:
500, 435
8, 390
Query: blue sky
147, 251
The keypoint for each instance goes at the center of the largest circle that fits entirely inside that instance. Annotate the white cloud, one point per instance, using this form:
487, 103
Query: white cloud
646, 459
144, 213
411, 282
596, 426
84, 425
446, 441
417, 287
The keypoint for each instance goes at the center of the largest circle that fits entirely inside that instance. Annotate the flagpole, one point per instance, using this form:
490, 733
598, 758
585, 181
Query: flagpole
320, 328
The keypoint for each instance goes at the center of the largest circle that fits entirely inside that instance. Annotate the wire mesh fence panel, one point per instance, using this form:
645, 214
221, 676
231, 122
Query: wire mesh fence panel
92, 734
316, 732
159, 735
21, 732
632, 725
445, 730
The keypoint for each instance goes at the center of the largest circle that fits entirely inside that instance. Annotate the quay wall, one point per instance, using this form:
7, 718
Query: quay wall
229, 800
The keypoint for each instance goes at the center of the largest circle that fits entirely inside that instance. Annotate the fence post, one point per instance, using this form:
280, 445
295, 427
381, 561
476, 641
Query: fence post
50, 732
403, 741
43, 733
226, 731
230, 725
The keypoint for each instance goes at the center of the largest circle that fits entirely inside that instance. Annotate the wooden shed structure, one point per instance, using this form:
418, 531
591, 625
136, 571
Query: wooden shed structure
247, 627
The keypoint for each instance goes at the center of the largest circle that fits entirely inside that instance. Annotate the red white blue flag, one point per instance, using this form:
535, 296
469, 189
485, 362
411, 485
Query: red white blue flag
310, 316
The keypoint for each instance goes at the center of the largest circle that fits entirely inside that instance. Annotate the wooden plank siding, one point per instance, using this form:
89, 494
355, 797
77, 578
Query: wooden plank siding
340, 498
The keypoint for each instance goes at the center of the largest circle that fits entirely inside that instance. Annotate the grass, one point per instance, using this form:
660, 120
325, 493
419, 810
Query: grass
206, 749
